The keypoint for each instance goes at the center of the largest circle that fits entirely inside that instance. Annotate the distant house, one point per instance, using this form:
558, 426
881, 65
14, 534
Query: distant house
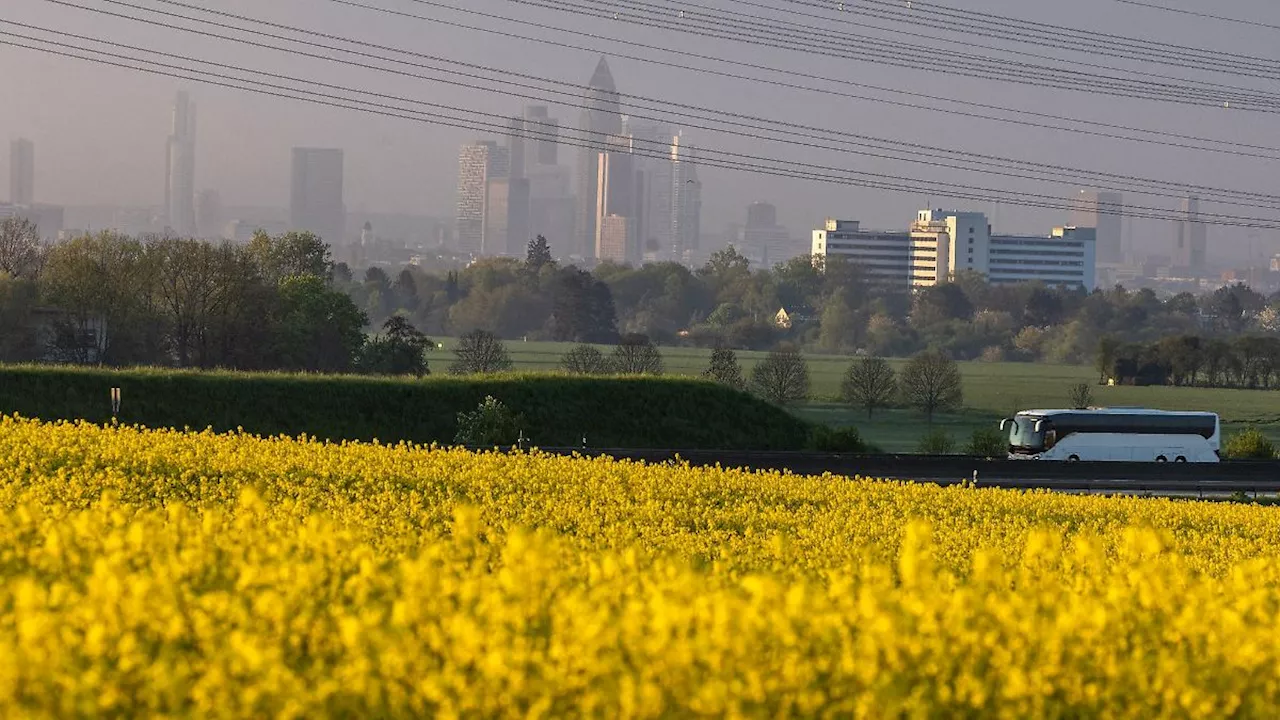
64, 338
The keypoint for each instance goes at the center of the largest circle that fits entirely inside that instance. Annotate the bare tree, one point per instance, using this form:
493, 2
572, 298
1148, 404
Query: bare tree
480, 352
636, 355
585, 360
1081, 396
931, 382
869, 384
782, 378
21, 253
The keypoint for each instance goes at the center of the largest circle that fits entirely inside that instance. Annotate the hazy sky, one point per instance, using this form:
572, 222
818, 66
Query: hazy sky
100, 132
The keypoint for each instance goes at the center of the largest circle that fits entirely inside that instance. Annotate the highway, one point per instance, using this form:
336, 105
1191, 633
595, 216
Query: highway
1254, 478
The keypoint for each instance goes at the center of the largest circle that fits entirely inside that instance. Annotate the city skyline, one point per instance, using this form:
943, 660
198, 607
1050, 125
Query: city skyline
83, 139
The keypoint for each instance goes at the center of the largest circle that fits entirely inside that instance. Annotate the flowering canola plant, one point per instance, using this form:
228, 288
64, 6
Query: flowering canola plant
162, 573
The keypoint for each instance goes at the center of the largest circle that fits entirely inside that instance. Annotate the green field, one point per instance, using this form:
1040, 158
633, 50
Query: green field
991, 391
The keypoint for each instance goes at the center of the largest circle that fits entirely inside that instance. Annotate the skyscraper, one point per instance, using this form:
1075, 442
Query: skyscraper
316, 202
1190, 238
1104, 211
483, 169
22, 172
686, 199
180, 168
601, 119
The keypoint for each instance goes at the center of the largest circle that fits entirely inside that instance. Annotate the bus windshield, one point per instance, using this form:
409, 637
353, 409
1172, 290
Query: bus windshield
1023, 435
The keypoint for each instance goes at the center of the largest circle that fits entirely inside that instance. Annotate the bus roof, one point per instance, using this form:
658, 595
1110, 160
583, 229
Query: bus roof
1117, 411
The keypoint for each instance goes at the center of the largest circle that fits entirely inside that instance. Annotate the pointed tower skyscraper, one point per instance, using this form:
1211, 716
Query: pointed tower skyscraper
601, 119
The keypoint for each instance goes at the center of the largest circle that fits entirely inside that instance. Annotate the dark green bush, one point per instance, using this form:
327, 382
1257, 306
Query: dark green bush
936, 442
989, 443
622, 412
838, 439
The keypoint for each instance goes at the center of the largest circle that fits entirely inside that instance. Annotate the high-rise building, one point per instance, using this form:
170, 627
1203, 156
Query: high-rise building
180, 168
686, 199
601, 119
316, 202
22, 172
613, 240
1105, 212
542, 146
209, 220
493, 207
764, 242
1190, 238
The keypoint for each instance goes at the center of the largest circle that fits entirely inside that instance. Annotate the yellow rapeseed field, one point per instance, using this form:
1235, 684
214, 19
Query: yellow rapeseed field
199, 575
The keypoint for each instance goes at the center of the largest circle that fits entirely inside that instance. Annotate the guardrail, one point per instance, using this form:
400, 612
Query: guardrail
1225, 477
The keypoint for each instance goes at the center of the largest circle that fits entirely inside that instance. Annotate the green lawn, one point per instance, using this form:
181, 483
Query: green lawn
991, 391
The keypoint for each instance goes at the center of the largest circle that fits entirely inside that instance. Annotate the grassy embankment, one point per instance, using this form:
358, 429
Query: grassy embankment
557, 410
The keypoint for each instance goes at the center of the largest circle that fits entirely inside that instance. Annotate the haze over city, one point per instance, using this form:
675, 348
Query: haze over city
100, 132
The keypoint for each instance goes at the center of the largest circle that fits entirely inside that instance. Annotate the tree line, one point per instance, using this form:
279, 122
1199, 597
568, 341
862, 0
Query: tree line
1246, 361
828, 306
278, 303
110, 299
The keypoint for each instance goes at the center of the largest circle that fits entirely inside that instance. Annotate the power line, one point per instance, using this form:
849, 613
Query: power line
752, 124
707, 157
1064, 39
1244, 150
1192, 93
1206, 16
952, 14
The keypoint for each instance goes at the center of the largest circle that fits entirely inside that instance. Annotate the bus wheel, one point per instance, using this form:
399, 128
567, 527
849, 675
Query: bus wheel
1162, 459
1180, 459
1074, 458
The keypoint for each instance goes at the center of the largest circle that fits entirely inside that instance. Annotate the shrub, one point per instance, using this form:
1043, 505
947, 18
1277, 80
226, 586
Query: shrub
988, 442
825, 438
936, 442
1081, 396
1249, 444
490, 424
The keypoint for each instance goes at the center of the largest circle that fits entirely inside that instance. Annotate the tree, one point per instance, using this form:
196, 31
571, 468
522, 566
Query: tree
21, 255
782, 377
724, 368
480, 352
319, 329
581, 308
869, 384
585, 360
399, 350
290, 255
1106, 357
538, 254
1081, 396
636, 355
931, 382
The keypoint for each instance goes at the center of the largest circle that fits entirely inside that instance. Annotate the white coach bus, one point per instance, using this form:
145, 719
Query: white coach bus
1114, 434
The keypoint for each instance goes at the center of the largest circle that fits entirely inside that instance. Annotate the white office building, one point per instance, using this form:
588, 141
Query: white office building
942, 243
